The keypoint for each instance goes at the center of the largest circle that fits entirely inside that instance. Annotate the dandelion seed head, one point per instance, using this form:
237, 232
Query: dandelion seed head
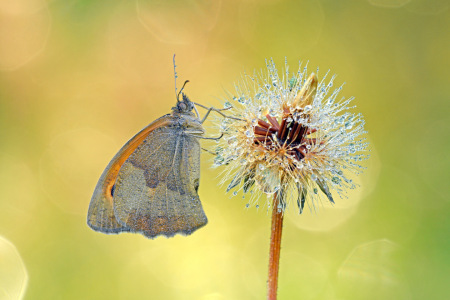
291, 135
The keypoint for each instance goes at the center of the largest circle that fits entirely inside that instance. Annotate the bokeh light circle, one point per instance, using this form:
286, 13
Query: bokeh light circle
178, 22
24, 31
71, 166
389, 3
433, 171
371, 272
323, 216
13, 274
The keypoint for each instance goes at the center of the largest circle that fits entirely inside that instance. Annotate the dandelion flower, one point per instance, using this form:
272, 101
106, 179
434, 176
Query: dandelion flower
291, 135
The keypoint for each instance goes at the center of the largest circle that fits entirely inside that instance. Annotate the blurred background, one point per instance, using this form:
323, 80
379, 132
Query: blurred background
78, 78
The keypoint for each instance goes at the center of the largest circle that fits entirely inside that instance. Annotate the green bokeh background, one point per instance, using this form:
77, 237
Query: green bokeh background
78, 78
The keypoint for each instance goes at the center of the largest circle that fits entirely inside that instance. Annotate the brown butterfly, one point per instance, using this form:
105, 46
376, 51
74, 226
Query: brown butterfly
151, 184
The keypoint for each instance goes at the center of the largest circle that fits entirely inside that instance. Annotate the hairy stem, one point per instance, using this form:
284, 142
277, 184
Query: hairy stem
275, 245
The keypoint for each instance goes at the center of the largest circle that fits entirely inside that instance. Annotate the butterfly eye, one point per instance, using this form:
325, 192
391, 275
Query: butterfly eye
181, 106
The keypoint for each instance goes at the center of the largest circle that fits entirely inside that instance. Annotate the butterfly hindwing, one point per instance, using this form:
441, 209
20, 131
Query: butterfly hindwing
156, 189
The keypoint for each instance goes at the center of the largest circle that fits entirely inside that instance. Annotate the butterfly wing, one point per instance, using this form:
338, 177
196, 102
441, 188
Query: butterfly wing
156, 189
101, 213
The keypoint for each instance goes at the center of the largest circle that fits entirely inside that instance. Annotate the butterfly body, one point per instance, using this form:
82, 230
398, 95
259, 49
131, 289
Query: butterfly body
150, 186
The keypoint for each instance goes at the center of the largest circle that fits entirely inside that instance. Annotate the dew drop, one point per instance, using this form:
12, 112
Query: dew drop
315, 190
336, 180
218, 161
339, 120
234, 193
232, 142
351, 148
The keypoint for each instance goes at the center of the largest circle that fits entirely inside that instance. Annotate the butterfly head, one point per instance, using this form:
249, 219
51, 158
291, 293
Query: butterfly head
184, 105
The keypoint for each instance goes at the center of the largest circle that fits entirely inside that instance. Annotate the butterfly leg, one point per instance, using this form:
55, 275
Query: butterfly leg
208, 138
209, 151
199, 135
218, 110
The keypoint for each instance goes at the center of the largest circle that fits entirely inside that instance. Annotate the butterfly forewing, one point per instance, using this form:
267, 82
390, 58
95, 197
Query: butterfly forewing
101, 213
156, 189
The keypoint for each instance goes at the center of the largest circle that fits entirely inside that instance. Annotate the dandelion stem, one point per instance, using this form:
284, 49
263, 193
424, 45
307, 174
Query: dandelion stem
274, 252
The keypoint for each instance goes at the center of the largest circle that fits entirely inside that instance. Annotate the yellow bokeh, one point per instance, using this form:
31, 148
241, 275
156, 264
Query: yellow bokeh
79, 78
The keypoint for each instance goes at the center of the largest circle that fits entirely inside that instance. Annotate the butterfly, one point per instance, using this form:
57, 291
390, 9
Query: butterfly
151, 185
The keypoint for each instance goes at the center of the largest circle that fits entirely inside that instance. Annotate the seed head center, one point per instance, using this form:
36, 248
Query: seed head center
289, 137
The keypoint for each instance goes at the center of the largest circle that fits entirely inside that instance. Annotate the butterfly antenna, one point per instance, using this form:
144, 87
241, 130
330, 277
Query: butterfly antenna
178, 95
175, 77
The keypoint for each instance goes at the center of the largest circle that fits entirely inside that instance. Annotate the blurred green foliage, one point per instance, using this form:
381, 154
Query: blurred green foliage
78, 78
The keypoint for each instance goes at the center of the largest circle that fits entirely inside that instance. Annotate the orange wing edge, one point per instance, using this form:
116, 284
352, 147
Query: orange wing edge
100, 216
